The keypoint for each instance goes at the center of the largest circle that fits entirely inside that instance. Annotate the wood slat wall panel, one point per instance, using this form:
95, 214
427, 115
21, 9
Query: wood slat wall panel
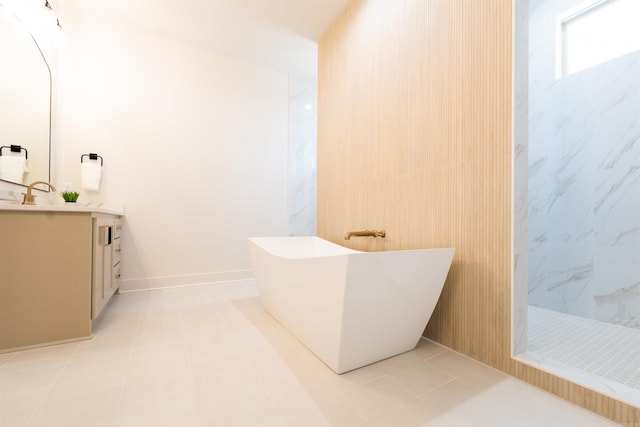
415, 137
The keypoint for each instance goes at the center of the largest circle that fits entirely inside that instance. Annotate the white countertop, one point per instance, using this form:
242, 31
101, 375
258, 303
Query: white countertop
112, 210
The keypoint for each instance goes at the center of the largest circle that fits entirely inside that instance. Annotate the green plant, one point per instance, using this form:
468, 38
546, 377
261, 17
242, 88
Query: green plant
70, 196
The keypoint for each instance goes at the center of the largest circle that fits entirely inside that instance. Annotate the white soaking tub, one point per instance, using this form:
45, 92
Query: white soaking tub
350, 308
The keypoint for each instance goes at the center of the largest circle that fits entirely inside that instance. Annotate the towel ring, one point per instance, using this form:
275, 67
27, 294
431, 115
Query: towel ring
16, 149
92, 156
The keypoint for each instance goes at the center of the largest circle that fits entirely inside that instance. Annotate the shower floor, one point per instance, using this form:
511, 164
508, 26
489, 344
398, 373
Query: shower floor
600, 355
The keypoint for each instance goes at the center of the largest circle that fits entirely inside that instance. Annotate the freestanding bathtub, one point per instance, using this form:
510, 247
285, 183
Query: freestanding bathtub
350, 308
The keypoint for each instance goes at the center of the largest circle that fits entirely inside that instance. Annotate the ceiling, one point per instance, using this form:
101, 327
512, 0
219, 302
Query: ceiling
279, 34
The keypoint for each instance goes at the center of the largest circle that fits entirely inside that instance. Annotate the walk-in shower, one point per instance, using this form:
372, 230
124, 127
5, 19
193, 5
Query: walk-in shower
577, 191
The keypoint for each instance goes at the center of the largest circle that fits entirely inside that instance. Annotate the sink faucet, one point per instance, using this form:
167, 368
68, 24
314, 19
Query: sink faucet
30, 199
372, 233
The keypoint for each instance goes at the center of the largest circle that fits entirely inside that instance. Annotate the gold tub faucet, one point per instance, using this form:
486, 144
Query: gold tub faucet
30, 199
371, 233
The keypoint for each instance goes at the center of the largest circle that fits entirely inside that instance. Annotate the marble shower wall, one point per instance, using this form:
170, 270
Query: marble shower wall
584, 180
303, 101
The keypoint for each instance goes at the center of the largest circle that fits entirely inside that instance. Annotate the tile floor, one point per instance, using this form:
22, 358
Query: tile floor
211, 356
599, 355
599, 348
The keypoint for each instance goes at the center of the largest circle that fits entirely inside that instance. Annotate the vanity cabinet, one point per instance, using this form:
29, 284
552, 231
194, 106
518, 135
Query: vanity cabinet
58, 269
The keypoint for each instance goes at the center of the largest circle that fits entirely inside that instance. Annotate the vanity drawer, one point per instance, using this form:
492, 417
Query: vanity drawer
116, 276
117, 228
116, 251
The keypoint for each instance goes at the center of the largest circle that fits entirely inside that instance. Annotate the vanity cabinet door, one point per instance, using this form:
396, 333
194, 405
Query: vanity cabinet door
115, 281
102, 280
45, 278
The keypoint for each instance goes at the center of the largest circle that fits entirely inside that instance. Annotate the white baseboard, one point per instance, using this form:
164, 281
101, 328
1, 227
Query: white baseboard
131, 285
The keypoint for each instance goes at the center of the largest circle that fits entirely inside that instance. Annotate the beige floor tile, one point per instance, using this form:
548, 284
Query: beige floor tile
235, 319
212, 352
427, 349
273, 422
5, 357
160, 322
293, 399
203, 317
54, 356
251, 340
98, 359
304, 396
351, 379
118, 328
97, 387
475, 374
241, 290
440, 421
240, 404
413, 373
191, 297
12, 417
211, 355
91, 407
121, 307
279, 352
25, 382
383, 402
145, 385
557, 412
465, 406
222, 385
171, 408
220, 291
158, 367
17, 407
230, 375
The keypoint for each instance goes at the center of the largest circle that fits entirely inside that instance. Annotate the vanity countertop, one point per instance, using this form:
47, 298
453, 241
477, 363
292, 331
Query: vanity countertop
113, 210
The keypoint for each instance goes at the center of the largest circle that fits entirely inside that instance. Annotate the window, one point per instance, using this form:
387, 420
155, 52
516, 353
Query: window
599, 33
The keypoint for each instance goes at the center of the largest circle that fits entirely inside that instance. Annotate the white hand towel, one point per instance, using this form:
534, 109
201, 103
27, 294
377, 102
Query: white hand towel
12, 168
91, 175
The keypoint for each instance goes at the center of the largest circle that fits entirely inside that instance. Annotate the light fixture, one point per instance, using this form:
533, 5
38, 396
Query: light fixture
52, 14
41, 22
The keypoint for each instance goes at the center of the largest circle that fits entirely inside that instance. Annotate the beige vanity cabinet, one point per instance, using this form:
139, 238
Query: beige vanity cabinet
58, 269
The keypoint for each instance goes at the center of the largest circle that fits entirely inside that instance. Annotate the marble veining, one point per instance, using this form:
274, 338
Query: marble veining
625, 300
302, 157
583, 193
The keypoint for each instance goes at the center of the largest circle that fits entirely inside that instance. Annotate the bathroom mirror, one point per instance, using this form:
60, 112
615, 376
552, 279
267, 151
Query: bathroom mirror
25, 104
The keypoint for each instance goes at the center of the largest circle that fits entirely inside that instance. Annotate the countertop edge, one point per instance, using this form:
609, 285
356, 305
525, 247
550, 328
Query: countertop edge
63, 208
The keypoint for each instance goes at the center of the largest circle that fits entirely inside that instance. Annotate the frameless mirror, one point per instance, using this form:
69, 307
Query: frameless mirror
25, 105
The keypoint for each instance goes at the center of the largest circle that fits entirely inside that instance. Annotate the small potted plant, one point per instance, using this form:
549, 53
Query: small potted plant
70, 196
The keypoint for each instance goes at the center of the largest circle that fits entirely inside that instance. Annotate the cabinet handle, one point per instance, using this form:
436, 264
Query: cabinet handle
118, 227
118, 276
118, 250
104, 236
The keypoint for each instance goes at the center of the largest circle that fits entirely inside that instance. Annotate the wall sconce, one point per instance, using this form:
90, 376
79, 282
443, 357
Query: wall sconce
52, 14
38, 17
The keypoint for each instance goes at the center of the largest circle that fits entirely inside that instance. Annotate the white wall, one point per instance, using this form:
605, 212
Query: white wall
194, 146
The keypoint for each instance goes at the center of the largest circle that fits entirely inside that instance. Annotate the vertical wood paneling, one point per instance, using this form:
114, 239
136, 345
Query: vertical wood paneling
414, 137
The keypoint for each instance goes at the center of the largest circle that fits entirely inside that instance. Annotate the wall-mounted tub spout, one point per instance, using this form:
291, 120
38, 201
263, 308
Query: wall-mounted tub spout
371, 233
